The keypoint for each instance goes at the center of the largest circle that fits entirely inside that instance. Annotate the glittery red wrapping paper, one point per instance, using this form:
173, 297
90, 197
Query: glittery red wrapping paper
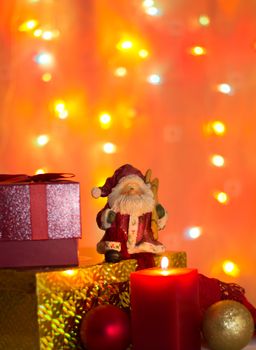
40, 211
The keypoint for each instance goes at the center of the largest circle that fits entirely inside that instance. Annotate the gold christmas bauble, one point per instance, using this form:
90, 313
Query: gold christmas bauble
227, 325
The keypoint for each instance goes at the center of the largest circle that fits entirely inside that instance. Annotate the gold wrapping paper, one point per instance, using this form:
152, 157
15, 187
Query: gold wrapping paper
18, 311
64, 297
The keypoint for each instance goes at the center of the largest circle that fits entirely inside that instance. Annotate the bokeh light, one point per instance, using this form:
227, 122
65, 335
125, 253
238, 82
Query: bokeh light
42, 140
28, 25
193, 232
125, 45
63, 114
225, 88
204, 20
217, 160
44, 59
198, 51
148, 3
221, 197
230, 268
105, 120
38, 32
61, 109
40, 171
120, 71
109, 148
143, 53
47, 35
154, 79
152, 11
59, 106
46, 77
216, 127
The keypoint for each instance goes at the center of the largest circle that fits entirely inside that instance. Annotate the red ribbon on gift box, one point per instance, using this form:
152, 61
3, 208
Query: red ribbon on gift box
47, 177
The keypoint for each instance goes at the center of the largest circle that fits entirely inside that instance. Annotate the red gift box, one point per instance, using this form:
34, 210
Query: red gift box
39, 208
39, 220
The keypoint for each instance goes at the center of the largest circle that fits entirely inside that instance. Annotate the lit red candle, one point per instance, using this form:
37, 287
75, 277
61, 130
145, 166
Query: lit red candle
165, 309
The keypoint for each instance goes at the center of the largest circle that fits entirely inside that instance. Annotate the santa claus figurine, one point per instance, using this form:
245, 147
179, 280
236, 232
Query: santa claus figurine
132, 215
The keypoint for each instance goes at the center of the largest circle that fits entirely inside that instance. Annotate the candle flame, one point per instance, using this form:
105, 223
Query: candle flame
164, 262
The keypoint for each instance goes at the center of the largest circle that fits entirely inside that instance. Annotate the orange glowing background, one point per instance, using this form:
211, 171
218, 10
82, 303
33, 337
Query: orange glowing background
86, 86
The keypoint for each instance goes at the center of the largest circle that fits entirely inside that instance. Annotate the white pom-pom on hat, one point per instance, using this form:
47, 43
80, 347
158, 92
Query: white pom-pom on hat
96, 192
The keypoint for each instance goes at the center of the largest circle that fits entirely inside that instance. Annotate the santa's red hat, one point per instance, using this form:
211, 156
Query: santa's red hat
125, 171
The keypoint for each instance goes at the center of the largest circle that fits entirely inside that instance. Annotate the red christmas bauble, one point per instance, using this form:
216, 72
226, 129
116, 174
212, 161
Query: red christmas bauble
105, 327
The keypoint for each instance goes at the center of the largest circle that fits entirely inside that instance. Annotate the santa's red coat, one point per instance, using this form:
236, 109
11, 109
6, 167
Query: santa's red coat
119, 229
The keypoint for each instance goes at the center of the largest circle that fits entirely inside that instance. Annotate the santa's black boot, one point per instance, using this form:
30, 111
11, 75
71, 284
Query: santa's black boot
112, 256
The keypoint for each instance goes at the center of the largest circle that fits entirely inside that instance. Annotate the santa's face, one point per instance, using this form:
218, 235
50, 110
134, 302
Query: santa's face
132, 197
131, 189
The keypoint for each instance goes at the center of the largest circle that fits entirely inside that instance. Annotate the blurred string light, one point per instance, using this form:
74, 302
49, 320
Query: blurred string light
125, 45
143, 53
46, 77
59, 106
216, 127
154, 79
49, 35
44, 59
105, 120
198, 51
204, 20
148, 3
225, 88
193, 232
230, 268
152, 11
32, 25
28, 25
38, 32
217, 160
42, 140
221, 197
60, 109
132, 46
109, 148
46, 35
63, 114
150, 8
120, 72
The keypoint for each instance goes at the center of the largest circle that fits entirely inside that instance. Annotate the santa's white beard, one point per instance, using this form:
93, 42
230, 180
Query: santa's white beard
134, 204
